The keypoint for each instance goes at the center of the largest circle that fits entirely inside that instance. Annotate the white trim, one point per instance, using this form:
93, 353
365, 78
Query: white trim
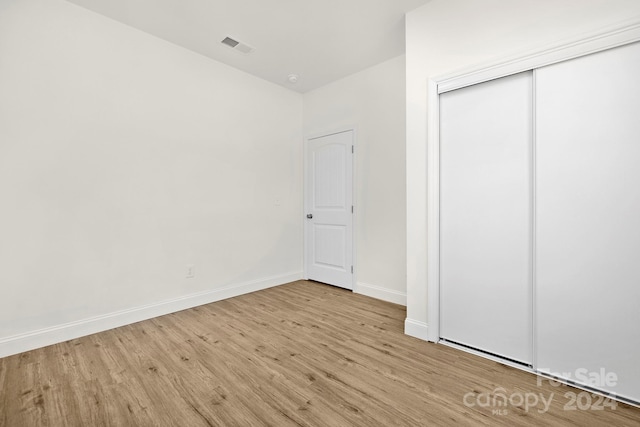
417, 329
60, 333
303, 217
378, 292
433, 212
596, 41
305, 207
585, 44
354, 218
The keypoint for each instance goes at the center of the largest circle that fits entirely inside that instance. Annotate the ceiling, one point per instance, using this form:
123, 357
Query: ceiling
318, 40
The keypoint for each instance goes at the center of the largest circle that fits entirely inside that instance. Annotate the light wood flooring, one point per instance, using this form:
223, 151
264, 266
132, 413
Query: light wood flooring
301, 354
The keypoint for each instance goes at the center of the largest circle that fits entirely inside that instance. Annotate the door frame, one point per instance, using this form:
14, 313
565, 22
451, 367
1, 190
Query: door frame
305, 201
602, 39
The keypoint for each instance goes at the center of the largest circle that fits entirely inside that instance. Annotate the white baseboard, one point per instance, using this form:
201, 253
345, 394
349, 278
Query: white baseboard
416, 329
43, 337
379, 292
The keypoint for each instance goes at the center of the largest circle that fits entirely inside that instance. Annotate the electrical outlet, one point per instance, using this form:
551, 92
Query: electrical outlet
191, 271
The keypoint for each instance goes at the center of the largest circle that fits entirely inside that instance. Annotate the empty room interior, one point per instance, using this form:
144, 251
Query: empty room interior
319, 212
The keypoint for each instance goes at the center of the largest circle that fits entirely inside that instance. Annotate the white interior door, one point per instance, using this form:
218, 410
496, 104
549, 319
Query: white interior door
588, 220
486, 215
329, 209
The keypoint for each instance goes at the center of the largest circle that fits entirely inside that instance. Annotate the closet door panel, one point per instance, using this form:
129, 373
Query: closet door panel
485, 216
588, 219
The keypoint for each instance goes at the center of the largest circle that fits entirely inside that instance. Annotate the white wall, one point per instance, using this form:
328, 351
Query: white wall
374, 102
123, 158
446, 35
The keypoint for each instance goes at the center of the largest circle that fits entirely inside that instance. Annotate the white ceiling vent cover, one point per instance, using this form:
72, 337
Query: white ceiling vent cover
236, 45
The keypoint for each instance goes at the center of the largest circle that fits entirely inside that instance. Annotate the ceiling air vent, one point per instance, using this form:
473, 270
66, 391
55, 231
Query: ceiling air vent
236, 45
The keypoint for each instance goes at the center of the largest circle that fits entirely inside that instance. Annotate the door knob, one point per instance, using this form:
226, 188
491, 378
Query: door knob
309, 216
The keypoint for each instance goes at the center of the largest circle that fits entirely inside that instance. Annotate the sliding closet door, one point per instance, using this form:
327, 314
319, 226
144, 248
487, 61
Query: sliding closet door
588, 219
485, 217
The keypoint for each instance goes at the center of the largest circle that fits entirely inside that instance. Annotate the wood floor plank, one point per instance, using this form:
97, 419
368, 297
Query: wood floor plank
301, 354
